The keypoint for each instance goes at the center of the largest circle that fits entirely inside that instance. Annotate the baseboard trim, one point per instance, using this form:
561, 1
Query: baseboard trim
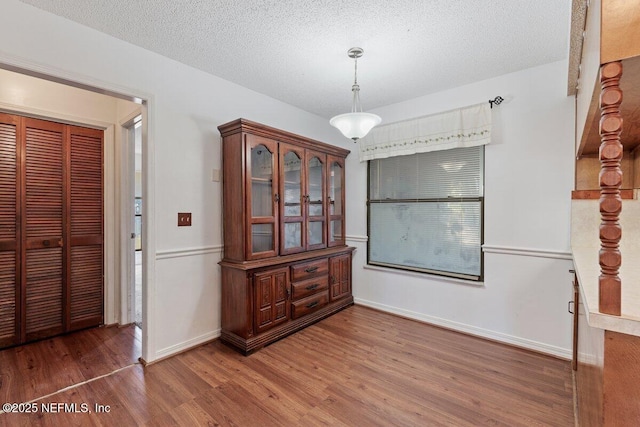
175, 349
539, 347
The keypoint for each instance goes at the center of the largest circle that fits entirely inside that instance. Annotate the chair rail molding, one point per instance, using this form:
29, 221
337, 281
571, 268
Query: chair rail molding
356, 238
530, 252
187, 252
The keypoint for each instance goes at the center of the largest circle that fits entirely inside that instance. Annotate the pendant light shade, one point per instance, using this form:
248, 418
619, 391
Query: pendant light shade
356, 124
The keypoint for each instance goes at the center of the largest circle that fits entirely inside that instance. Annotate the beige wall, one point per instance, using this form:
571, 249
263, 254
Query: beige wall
44, 99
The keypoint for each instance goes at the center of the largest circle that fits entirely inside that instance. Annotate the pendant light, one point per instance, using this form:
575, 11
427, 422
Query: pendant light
355, 124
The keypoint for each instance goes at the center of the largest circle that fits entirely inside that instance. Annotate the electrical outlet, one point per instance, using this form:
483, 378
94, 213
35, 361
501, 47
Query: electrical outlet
184, 219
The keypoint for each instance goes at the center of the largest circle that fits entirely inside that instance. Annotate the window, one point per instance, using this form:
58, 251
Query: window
425, 212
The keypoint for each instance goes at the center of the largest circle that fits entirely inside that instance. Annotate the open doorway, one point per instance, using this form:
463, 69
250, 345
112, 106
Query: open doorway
133, 194
137, 218
60, 100
72, 99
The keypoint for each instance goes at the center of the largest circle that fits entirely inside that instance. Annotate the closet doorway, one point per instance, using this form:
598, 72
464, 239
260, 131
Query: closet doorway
51, 228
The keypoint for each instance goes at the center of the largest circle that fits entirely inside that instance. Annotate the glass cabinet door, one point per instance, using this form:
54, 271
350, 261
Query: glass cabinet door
335, 200
315, 200
292, 237
262, 197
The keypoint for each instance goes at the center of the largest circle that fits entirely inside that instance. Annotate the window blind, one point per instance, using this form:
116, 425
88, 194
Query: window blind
425, 211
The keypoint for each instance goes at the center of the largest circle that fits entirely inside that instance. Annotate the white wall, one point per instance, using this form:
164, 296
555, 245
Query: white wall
528, 180
185, 106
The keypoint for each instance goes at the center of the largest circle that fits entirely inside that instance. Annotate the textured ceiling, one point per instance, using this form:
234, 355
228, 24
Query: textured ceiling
296, 50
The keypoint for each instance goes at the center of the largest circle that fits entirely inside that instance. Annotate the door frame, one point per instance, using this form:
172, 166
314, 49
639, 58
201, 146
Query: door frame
127, 211
112, 213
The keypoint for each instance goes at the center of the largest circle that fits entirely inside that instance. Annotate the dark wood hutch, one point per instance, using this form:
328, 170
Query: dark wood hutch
285, 264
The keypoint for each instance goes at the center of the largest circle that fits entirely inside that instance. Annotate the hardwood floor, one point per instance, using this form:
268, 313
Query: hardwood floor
37, 369
359, 367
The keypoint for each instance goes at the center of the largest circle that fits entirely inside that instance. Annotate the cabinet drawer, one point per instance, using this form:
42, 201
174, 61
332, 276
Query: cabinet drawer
308, 287
309, 304
309, 269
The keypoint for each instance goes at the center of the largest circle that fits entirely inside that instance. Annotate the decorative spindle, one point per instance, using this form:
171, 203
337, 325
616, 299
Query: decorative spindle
610, 182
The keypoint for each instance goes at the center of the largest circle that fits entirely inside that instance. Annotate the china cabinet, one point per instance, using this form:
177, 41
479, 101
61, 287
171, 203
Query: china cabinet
285, 261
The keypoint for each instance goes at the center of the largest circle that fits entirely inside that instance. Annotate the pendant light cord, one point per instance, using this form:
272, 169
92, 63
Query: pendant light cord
355, 106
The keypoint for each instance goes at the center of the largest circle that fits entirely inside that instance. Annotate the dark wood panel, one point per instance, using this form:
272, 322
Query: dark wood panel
308, 287
85, 253
8, 245
621, 385
8, 178
43, 188
10, 231
340, 276
595, 194
286, 259
86, 305
87, 240
309, 305
44, 242
309, 269
86, 182
358, 367
43, 181
271, 298
50, 189
234, 194
589, 375
8, 307
44, 291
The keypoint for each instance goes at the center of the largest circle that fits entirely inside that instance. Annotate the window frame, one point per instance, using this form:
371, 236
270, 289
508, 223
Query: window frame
440, 273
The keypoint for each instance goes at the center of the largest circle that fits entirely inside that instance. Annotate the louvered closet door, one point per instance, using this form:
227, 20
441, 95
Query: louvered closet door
43, 225
85, 255
9, 231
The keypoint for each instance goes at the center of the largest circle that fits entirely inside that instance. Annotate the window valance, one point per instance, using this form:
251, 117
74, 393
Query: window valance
463, 127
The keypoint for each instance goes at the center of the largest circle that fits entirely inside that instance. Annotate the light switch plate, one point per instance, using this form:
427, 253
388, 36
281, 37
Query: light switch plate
215, 175
184, 219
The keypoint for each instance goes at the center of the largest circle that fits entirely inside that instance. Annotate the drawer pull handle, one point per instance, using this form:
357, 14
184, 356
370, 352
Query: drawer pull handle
46, 243
311, 269
312, 304
312, 287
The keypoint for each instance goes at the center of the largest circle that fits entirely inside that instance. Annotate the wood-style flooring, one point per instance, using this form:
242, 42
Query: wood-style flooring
359, 367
